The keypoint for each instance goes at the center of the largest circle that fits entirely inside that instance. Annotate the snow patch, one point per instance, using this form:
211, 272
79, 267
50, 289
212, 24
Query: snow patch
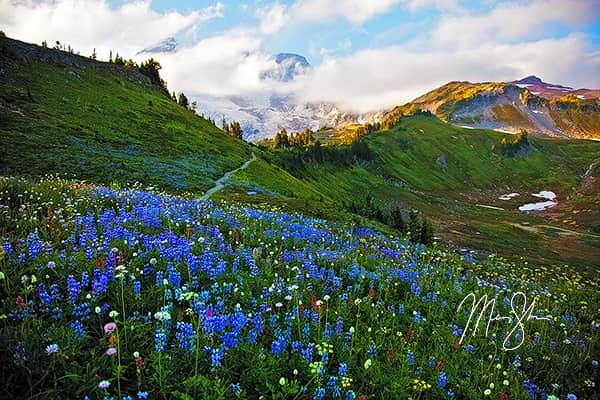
508, 196
537, 206
492, 207
545, 194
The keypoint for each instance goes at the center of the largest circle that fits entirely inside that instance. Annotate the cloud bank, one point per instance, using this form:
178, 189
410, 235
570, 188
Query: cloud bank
508, 41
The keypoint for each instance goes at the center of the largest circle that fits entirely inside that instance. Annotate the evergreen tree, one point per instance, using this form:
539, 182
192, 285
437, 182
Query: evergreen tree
397, 220
414, 226
235, 130
150, 68
281, 140
93, 53
224, 126
183, 101
426, 232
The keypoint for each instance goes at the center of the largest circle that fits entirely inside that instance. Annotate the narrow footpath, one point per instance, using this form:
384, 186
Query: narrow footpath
219, 182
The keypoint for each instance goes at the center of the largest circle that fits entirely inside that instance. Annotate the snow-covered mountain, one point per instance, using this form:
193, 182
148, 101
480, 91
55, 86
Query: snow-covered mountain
264, 115
169, 45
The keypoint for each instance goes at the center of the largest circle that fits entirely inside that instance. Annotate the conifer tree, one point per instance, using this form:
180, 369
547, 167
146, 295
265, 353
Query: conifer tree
183, 100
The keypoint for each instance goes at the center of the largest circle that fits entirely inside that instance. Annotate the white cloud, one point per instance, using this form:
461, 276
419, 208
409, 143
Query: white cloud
88, 24
273, 18
512, 21
505, 43
380, 78
226, 65
355, 11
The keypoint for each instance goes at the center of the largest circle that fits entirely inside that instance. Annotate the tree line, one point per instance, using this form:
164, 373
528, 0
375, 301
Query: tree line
418, 228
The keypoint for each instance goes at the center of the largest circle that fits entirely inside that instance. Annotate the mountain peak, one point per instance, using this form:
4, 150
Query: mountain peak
288, 66
291, 57
530, 80
167, 45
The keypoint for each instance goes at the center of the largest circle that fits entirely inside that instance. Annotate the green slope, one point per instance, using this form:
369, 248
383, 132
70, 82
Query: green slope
102, 122
448, 172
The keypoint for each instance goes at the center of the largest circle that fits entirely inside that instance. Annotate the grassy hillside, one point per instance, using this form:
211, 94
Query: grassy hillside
449, 173
102, 122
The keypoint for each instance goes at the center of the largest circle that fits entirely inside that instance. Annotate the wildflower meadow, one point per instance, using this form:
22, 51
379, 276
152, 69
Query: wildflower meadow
112, 293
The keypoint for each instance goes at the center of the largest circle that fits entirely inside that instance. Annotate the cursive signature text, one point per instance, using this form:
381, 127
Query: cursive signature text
517, 315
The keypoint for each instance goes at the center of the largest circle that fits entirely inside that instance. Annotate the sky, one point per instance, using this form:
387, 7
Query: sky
366, 54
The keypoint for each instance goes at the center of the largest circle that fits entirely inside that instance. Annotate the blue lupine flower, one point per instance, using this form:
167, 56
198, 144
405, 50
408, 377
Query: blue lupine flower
336, 391
20, 357
319, 394
343, 369
442, 380
216, 356
142, 395
137, 287
160, 340
372, 350
278, 346
186, 336
78, 329
470, 349
350, 395
411, 358
571, 396
73, 288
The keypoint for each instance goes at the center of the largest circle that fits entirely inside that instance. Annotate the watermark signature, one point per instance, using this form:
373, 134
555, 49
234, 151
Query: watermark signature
519, 314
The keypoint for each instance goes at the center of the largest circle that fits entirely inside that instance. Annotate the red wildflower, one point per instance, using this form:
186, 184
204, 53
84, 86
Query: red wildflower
20, 302
314, 302
100, 264
440, 366
209, 313
139, 361
189, 232
411, 332
301, 311
371, 292
504, 396
363, 397
391, 353
457, 343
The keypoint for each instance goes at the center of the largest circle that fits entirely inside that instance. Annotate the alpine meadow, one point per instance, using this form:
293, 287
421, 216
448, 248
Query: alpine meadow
299, 199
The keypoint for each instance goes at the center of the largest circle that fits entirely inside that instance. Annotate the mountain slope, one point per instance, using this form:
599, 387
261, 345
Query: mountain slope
454, 175
542, 109
69, 114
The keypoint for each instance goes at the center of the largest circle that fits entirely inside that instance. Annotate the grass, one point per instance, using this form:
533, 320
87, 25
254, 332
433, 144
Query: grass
107, 124
116, 293
104, 122
406, 171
